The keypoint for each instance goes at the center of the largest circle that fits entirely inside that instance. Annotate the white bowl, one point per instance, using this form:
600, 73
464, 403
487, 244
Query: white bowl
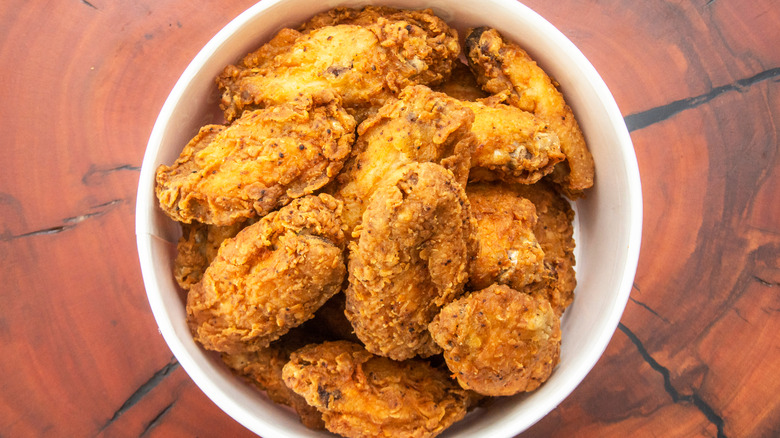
608, 224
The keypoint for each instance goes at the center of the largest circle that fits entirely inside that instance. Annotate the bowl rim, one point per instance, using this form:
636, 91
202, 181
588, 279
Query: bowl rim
145, 235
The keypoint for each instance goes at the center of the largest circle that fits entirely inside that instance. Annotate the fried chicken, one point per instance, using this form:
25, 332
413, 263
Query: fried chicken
263, 370
554, 230
420, 126
499, 341
257, 164
410, 260
362, 395
270, 278
197, 247
512, 145
506, 70
508, 251
365, 57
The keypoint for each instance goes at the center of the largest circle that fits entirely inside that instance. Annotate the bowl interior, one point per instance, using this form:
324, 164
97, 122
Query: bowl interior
608, 223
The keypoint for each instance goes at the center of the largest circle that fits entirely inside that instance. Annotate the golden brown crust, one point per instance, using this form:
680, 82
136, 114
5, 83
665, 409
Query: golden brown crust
257, 164
509, 252
512, 145
411, 259
499, 341
364, 57
554, 230
506, 70
420, 126
270, 278
362, 395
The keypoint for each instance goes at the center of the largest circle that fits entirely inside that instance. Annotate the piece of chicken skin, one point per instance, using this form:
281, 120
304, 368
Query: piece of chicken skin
504, 69
509, 252
410, 260
554, 230
362, 395
263, 370
364, 63
498, 341
419, 126
270, 278
197, 248
257, 164
512, 145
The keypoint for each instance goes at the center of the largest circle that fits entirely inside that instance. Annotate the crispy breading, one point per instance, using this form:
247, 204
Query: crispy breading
257, 164
410, 260
554, 230
509, 252
263, 370
420, 126
270, 278
506, 70
512, 145
197, 248
499, 341
365, 57
362, 395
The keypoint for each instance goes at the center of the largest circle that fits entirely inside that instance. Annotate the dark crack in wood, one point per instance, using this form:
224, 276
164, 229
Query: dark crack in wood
765, 282
156, 420
94, 172
143, 390
649, 309
68, 223
658, 114
694, 398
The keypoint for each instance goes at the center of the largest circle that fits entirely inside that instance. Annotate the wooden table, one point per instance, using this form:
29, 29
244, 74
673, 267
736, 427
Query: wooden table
697, 352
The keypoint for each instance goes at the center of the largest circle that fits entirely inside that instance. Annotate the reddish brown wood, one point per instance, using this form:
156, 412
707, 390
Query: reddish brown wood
696, 353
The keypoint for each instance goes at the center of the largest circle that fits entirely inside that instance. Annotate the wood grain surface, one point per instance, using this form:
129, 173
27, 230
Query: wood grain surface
697, 352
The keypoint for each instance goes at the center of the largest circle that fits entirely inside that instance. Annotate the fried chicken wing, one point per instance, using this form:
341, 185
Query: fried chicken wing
512, 145
420, 126
365, 57
504, 69
499, 341
257, 164
554, 230
362, 395
270, 278
263, 370
198, 247
508, 251
410, 260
